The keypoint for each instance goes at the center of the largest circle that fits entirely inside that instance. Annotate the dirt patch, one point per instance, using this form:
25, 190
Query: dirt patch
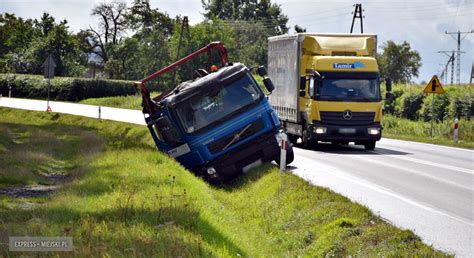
28, 191
41, 158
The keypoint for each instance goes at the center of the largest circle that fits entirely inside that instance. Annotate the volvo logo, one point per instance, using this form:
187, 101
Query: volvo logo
347, 114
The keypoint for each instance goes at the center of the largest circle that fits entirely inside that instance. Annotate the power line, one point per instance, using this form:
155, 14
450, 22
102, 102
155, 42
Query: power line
459, 39
450, 60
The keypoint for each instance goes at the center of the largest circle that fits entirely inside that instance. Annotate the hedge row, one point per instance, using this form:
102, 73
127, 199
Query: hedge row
410, 102
63, 88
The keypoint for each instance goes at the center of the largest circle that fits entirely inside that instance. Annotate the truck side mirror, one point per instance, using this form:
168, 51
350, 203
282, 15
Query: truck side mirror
268, 84
388, 84
167, 131
262, 71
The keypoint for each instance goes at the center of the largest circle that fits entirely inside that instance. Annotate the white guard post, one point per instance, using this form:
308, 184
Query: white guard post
456, 130
283, 146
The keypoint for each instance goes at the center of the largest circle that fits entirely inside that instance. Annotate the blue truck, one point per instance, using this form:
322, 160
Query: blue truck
219, 124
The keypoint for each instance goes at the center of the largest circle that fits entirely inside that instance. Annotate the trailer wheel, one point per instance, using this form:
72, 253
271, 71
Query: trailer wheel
369, 145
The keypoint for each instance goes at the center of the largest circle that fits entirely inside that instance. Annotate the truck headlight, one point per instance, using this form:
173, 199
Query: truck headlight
211, 171
373, 131
319, 130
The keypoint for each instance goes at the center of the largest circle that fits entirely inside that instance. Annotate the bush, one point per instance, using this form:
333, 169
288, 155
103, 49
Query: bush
462, 106
63, 88
389, 106
411, 104
441, 108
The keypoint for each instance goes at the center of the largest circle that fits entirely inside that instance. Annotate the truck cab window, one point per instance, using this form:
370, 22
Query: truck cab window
205, 109
352, 87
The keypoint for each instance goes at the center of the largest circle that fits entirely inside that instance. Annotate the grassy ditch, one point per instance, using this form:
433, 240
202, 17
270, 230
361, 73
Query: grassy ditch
126, 199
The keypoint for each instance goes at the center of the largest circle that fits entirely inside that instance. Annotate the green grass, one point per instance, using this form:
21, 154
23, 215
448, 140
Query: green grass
128, 102
131, 200
32, 153
404, 129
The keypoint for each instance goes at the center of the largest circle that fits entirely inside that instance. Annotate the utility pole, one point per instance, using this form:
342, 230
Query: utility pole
358, 15
459, 39
450, 60
472, 74
184, 29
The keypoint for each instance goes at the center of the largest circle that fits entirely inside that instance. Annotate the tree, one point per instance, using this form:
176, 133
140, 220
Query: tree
248, 10
399, 62
142, 18
202, 34
253, 21
299, 29
112, 26
28, 42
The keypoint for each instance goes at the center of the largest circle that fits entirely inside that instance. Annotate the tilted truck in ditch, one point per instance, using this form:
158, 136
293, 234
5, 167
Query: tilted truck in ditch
327, 87
219, 124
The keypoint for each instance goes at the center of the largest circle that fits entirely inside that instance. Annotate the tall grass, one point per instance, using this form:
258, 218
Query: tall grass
442, 132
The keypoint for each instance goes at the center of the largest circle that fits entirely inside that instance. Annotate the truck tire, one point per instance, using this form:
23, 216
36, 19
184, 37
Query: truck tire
305, 141
290, 156
369, 145
293, 138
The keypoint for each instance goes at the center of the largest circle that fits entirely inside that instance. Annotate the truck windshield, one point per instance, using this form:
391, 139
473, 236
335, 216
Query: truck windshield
349, 87
206, 109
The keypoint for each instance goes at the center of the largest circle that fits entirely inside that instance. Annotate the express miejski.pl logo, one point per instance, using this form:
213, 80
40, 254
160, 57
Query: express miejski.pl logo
355, 65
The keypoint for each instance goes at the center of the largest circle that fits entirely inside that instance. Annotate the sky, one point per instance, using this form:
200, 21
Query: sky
421, 23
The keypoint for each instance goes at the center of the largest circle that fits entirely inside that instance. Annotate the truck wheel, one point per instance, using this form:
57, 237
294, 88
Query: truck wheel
293, 138
369, 145
305, 141
290, 156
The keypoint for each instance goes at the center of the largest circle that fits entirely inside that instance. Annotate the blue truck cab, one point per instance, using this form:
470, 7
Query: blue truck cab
218, 125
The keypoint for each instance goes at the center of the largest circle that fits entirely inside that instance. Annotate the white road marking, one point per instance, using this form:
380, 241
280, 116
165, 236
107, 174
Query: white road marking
386, 164
429, 163
386, 141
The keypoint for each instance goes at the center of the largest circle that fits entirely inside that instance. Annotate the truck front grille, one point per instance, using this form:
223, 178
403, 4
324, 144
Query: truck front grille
337, 118
232, 138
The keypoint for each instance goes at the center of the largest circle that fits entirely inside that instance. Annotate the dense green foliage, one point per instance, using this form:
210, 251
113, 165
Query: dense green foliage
253, 22
410, 102
123, 198
25, 45
399, 62
409, 114
63, 88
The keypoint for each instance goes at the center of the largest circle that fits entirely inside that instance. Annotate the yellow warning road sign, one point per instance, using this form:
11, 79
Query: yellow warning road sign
434, 86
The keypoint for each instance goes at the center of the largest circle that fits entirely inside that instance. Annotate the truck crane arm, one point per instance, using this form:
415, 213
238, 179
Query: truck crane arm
148, 106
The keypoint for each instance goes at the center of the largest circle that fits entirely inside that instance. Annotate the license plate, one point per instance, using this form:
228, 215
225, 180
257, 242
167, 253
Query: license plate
347, 130
251, 165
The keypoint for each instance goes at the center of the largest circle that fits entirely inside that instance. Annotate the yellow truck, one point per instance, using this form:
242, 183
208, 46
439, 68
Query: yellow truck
327, 87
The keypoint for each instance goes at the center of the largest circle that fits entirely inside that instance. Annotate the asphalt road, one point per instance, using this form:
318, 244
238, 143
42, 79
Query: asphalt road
422, 187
